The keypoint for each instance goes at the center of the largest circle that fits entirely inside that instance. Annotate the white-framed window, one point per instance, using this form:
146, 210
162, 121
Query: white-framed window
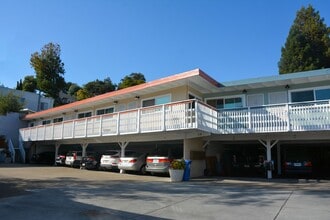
159, 100
105, 111
84, 114
46, 122
277, 97
226, 102
310, 94
254, 100
56, 120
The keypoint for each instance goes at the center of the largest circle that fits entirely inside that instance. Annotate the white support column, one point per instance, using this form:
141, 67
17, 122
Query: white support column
268, 144
57, 146
84, 147
123, 146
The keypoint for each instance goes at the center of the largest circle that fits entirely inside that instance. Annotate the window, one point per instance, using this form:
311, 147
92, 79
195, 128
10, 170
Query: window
322, 94
84, 114
156, 101
105, 111
255, 100
149, 102
45, 122
302, 96
277, 97
55, 120
310, 95
226, 103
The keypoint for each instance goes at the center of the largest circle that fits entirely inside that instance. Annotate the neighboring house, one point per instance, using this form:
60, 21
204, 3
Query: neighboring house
11, 123
224, 128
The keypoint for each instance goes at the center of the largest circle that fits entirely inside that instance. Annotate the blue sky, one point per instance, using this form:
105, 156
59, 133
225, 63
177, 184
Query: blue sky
229, 40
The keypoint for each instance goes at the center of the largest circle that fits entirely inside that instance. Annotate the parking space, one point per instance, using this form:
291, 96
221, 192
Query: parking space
38, 192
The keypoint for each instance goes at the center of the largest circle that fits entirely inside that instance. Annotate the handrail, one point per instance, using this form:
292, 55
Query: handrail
11, 149
302, 116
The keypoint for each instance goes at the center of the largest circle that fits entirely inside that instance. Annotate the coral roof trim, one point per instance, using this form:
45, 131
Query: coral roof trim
191, 73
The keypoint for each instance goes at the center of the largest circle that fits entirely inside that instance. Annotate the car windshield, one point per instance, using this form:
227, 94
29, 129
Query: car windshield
132, 154
111, 153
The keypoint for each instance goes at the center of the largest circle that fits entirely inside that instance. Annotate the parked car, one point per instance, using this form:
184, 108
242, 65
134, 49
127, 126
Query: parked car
133, 161
297, 161
60, 160
159, 161
110, 160
91, 161
73, 158
43, 158
298, 166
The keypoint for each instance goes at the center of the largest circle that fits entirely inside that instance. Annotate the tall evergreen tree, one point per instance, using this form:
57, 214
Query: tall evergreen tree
49, 70
307, 46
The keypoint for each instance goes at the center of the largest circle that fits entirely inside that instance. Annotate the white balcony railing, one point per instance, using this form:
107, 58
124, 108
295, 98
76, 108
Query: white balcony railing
190, 114
307, 116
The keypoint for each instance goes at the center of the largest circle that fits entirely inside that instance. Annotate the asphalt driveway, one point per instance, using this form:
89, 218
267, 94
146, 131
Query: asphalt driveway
36, 192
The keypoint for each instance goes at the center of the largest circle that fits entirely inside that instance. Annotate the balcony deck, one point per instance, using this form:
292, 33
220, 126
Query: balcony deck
304, 116
190, 114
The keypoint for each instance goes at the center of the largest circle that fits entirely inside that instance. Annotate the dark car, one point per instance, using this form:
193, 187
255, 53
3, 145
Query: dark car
298, 166
91, 161
297, 162
43, 158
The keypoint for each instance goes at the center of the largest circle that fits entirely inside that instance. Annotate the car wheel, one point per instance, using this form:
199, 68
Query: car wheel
143, 170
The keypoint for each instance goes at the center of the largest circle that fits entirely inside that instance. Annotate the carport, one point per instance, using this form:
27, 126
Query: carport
274, 147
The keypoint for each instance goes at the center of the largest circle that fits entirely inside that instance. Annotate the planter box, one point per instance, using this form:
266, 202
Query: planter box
176, 175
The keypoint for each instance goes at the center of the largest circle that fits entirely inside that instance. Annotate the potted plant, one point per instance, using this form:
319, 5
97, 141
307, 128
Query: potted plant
176, 170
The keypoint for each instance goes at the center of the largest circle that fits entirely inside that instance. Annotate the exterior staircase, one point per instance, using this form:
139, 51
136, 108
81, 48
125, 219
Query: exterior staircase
10, 154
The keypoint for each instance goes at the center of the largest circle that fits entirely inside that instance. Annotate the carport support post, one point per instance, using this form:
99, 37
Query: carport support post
268, 144
84, 147
123, 146
279, 167
57, 146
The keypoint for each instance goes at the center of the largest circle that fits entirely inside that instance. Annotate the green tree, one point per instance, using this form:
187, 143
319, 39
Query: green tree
82, 94
49, 71
98, 87
29, 84
9, 103
19, 85
307, 46
73, 88
131, 80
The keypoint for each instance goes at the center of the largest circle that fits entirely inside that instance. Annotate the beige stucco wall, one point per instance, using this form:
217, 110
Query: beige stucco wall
197, 166
177, 94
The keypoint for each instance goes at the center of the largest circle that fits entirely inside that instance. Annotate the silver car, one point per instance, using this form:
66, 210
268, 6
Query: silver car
133, 161
160, 160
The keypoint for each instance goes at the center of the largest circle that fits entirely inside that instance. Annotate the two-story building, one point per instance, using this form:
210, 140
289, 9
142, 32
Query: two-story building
224, 128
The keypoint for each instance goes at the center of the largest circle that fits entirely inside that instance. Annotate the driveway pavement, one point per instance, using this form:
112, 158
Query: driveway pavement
36, 192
